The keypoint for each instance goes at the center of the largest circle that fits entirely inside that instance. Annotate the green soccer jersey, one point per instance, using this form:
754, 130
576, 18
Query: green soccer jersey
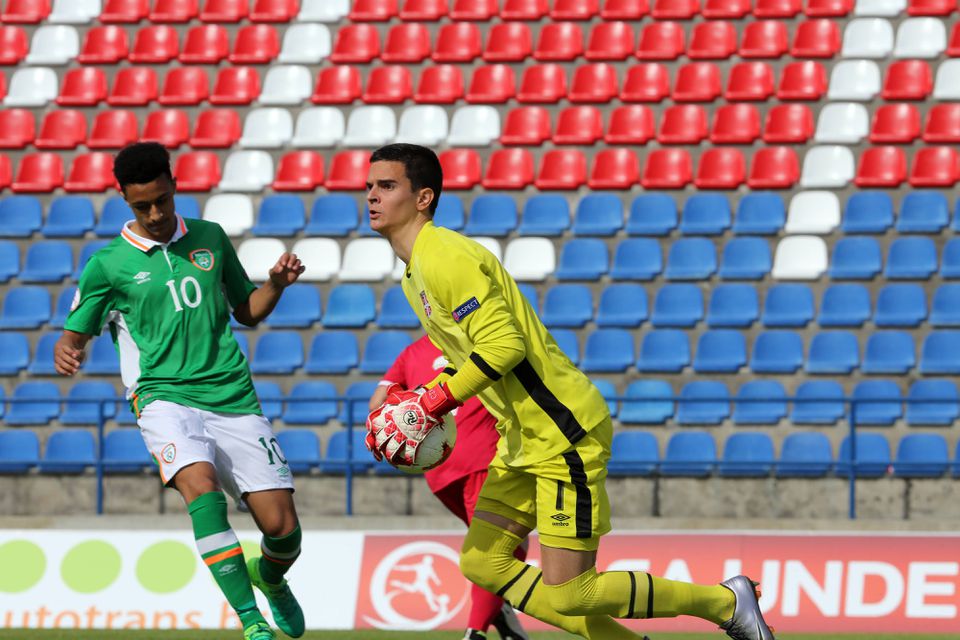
168, 308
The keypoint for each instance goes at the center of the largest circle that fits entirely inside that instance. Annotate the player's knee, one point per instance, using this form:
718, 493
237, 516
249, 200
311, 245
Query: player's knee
475, 566
565, 601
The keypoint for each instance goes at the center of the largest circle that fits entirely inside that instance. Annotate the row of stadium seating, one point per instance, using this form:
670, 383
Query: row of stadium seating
175, 11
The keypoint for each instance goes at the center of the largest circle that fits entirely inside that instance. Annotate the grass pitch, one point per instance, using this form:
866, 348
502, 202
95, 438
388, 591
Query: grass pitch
71, 634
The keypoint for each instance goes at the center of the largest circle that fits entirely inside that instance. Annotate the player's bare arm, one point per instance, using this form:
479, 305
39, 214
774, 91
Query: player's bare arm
261, 302
68, 353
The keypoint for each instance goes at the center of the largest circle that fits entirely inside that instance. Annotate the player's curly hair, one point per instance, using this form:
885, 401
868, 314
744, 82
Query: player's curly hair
140, 163
420, 164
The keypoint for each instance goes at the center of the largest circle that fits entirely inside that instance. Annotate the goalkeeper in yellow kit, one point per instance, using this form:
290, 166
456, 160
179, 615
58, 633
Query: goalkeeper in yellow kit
550, 469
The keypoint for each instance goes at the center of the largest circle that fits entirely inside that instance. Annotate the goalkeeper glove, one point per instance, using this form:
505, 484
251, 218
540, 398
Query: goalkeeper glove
395, 430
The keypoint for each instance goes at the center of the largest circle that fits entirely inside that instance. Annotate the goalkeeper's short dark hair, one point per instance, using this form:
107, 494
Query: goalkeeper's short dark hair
420, 164
140, 163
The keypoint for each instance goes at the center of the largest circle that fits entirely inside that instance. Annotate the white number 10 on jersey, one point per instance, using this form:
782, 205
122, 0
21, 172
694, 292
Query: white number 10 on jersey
191, 301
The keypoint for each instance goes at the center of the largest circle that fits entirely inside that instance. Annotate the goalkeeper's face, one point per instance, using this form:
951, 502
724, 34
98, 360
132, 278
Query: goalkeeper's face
392, 202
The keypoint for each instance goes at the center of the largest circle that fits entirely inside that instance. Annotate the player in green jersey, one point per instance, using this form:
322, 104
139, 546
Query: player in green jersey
166, 287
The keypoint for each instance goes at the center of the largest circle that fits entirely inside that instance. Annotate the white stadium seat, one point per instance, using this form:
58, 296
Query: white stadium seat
884, 8
53, 44
827, 166
490, 244
843, 123
530, 259
248, 171
321, 257
424, 124
319, 127
286, 85
813, 212
258, 255
74, 11
306, 43
800, 258
31, 87
371, 126
367, 260
323, 10
474, 126
867, 38
232, 211
947, 85
854, 80
267, 128
920, 38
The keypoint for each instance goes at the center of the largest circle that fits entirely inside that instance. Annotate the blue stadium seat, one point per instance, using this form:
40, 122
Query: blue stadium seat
567, 305
103, 359
705, 214
777, 351
833, 352
187, 206
42, 362
301, 448
633, 453
68, 452
650, 402
652, 214
788, 305
336, 461
818, 402
637, 259
945, 306
868, 212
761, 214
950, 267
47, 261
691, 259
382, 349
622, 305
666, 350
855, 258
598, 214
921, 455
933, 402
115, 213
25, 308
748, 454
844, 305
45, 405
69, 217
361, 392
941, 352
314, 403
492, 215
746, 259
760, 402
88, 250
243, 343
280, 215
872, 456
449, 213
911, 259
9, 260
20, 216
125, 452
609, 391
395, 311
76, 411
720, 351
125, 415
583, 259
16, 353
62, 310
19, 451
901, 305
923, 212
805, 454
882, 403
270, 395
334, 214
608, 351
689, 453
545, 215
569, 343
299, 308
277, 352
350, 306
529, 292
889, 352
702, 402
677, 305
733, 305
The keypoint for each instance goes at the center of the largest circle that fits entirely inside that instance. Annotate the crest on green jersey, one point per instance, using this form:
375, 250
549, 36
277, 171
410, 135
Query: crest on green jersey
202, 259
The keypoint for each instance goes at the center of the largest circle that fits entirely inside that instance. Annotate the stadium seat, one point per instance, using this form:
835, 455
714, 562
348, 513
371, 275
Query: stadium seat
945, 306
583, 259
593, 83
789, 124
842, 122
650, 402
854, 80
911, 258
314, 403
777, 352
759, 214
760, 402
305, 44
68, 452
80, 407
872, 456
474, 126
934, 167
667, 169
16, 351
747, 455
834, 352
697, 82
258, 255
270, 396
69, 216
461, 168
607, 350
124, 11
113, 130
907, 80
405, 43
677, 305
17, 128
248, 171
273, 10
569, 344
255, 44
805, 454
745, 259
720, 351
349, 305
277, 352
508, 169
691, 259
804, 80
333, 352
867, 38
335, 461
132, 86
876, 403
773, 168
266, 128
622, 305
14, 41
545, 215
492, 215
645, 82
733, 305
735, 124
921, 455
301, 448
19, 451
855, 258
526, 126
367, 259
712, 41
562, 169
43, 405
88, 250
827, 166
185, 86
171, 128
529, 259
703, 402
844, 305
449, 213
356, 44
559, 42
174, 10
389, 84
47, 261
280, 216
114, 215
900, 305
381, 349
91, 172
932, 402
205, 44
763, 39
31, 87
156, 44
868, 212
816, 39
25, 307
507, 42
20, 216
457, 42
725, 9
920, 38
630, 124
224, 10
424, 10
613, 40
705, 214
633, 453
945, 84
652, 214
337, 85
938, 353
581, 125
491, 84
283, 85
751, 81
818, 402
813, 212
299, 171
664, 350
319, 127
683, 124
104, 359
598, 215
395, 311
689, 454
53, 45
232, 211
942, 123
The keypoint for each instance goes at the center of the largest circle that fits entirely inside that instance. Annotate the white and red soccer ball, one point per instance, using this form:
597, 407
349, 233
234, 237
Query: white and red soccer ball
424, 444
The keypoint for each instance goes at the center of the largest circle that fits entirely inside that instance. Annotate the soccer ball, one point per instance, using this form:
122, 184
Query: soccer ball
435, 447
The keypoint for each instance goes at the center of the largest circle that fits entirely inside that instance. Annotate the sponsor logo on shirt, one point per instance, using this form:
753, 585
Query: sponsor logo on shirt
143, 276
202, 259
426, 304
466, 309
169, 453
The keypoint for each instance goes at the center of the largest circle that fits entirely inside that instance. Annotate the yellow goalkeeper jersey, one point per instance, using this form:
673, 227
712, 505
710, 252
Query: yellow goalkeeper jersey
474, 312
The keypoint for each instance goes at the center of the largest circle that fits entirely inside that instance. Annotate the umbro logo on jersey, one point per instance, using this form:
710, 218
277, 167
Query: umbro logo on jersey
560, 520
143, 276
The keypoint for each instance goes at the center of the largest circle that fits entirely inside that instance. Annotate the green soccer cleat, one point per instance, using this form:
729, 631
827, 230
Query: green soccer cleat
259, 630
286, 610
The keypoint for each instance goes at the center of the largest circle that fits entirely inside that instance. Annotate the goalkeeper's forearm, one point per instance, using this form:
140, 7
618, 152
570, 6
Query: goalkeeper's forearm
486, 364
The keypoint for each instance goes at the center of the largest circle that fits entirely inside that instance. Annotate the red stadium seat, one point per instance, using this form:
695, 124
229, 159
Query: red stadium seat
574, 9
39, 173
206, 44
155, 44
359, 43
91, 172
124, 11
931, 7
788, 124
715, 40
255, 44
62, 129
17, 128
581, 125
646, 82
764, 39
373, 10
236, 85
524, 9
725, 9
559, 41
720, 168
113, 130
6, 171
348, 171
934, 167
476, 10
133, 87
101, 45
881, 167
630, 124
442, 84
953, 47
13, 44
390, 84
185, 86
661, 41
491, 84
423, 10
197, 171
624, 9
896, 124
828, 8
614, 169
942, 124
667, 169
406, 43
337, 85
85, 86
735, 124
777, 8
562, 169
816, 39
907, 80
749, 81
457, 42
697, 82
225, 10
25, 11
508, 42
593, 83
774, 168
526, 126
543, 83
802, 81
216, 129
169, 127
274, 10
610, 41
299, 171
461, 168
683, 124
675, 9
509, 169
174, 10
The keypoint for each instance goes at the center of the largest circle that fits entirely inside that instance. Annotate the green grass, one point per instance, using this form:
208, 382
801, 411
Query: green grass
70, 634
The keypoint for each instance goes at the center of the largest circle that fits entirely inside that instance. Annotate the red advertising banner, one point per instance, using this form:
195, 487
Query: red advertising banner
811, 583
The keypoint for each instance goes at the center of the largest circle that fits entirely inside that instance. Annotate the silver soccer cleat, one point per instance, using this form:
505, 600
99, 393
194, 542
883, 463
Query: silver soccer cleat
747, 622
